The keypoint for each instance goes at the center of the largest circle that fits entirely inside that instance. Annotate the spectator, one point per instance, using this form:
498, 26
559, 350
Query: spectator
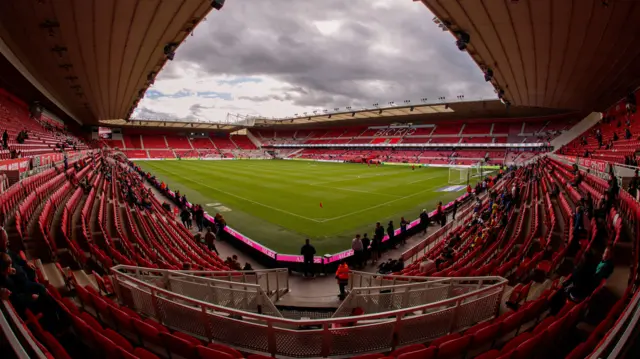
356, 246
366, 242
424, 220
403, 230
197, 237
627, 134
342, 275
455, 208
234, 262
199, 215
247, 267
308, 251
5, 140
210, 239
166, 206
390, 233
185, 216
427, 266
634, 184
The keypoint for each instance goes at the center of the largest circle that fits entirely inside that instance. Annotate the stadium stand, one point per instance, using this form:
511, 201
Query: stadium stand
529, 246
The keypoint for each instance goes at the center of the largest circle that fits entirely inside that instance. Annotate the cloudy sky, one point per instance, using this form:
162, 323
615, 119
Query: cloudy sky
277, 58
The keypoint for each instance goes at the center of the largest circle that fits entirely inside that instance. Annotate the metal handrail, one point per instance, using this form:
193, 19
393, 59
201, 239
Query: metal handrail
15, 342
311, 321
621, 332
310, 337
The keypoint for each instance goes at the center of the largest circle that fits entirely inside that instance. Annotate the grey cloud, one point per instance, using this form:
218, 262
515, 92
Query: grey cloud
278, 38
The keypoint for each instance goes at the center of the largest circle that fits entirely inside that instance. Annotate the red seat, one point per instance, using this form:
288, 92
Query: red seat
529, 347
426, 353
446, 338
54, 346
407, 349
144, 354
91, 321
177, 345
515, 342
258, 356
122, 319
146, 332
225, 349
486, 336
365, 356
109, 348
544, 324
208, 353
119, 340
454, 348
188, 338
491, 354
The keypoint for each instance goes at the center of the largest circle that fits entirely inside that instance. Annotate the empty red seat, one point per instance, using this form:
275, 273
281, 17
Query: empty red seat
426, 353
407, 349
454, 348
177, 345
208, 353
118, 340
225, 349
91, 321
144, 354
146, 332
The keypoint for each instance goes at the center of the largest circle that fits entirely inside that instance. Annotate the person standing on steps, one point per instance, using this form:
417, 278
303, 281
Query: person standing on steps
342, 275
210, 239
308, 251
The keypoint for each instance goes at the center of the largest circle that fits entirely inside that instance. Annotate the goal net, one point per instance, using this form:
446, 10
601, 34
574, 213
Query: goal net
459, 175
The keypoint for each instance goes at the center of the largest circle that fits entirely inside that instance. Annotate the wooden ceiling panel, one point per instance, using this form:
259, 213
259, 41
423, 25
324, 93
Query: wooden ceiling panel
571, 54
541, 17
581, 19
524, 33
144, 15
122, 28
503, 23
152, 40
103, 15
110, 47
599, 59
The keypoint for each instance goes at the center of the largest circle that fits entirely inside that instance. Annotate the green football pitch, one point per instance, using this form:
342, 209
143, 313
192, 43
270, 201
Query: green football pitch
277, 203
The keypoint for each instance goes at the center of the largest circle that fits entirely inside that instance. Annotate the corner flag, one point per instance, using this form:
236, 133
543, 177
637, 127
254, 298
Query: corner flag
321, 205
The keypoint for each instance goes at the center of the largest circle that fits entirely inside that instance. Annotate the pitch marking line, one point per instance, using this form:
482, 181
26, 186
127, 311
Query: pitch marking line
355, 190
246, 199
355, 177
424, 179
380, 205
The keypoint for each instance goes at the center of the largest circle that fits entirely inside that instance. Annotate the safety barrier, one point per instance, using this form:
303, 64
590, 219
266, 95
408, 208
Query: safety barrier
334, 337
375, 293
250, 291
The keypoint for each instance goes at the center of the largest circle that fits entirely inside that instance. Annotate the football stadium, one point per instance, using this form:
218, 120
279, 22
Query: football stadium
203, 179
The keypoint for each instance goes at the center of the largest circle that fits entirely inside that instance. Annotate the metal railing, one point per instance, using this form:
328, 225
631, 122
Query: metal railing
616, 342
382, 293
251, 291
334, 337
17, 336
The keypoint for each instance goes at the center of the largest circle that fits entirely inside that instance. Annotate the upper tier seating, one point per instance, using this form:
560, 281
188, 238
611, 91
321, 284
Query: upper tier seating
178, 142
154, 142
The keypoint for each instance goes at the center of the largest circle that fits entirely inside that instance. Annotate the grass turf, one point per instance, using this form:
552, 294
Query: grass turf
277, 203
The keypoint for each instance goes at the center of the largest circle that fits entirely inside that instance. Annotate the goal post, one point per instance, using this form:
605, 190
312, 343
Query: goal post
459, 175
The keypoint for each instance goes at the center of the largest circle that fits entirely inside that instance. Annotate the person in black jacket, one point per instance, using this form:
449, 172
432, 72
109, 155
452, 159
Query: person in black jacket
390, 233
424, 220
365, 248
377, 242
308, 251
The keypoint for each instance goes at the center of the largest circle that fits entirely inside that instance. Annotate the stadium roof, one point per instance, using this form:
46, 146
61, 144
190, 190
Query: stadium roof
91, 58
575, 54
459, 110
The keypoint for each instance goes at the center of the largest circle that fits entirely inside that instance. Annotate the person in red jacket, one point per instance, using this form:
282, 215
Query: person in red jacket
342, 275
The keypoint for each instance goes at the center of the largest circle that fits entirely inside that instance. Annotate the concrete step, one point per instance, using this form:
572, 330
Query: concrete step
54, 276
85, 279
